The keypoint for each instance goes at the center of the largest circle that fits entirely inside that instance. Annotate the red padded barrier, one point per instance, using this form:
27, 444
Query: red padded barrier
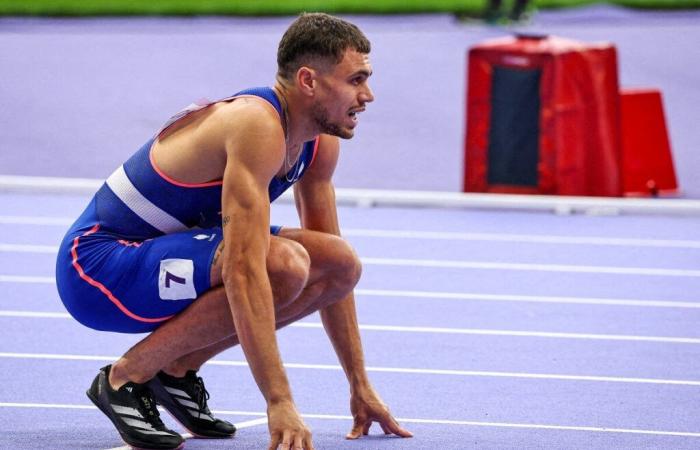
646, 152
579, 129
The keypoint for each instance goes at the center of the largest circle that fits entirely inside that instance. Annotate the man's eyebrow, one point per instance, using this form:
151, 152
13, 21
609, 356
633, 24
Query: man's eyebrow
365, 72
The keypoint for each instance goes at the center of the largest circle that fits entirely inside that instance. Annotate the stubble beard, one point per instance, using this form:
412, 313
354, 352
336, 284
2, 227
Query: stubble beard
321, 117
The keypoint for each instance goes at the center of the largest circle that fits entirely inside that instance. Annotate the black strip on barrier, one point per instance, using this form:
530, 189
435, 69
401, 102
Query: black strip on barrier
514, 132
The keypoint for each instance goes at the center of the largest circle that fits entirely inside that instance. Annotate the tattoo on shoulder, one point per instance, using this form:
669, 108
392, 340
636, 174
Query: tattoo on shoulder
225, 221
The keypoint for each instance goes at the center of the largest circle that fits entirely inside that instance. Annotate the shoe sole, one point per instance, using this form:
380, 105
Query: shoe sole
94, 400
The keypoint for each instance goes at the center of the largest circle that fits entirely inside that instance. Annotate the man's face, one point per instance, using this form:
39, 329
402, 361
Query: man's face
343, 93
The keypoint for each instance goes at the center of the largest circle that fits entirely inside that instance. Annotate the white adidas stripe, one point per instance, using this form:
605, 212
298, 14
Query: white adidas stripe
174, 391
191, 406
144, 427
124, 189
188, 403
125, 410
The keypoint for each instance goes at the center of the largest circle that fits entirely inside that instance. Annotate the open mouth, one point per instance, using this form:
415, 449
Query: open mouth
355, 113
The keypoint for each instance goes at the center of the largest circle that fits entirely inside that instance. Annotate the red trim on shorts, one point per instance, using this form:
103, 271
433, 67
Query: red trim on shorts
101, 287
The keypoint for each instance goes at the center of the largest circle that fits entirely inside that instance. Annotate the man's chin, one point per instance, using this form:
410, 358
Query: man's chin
342, 133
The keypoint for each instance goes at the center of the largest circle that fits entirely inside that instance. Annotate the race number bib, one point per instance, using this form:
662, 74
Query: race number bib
176, 280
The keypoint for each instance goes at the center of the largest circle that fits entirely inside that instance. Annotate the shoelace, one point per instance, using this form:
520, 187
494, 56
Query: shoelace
147, 407
201, 396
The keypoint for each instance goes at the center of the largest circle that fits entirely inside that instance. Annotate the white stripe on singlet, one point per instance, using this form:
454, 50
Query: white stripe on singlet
125, 190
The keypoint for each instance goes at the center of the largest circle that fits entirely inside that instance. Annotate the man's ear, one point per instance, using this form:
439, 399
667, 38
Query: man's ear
306, 80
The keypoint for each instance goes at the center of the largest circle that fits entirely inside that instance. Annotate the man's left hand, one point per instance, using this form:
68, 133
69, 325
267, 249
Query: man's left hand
367, 407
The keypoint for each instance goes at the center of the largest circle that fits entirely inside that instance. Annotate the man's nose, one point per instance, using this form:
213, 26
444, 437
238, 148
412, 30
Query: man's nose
367, 95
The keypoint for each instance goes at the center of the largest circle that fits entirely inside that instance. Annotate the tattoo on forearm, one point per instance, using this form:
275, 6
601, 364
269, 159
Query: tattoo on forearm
225, 221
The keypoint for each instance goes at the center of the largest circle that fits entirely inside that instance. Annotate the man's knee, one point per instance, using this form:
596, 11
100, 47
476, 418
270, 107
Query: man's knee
288, 266
346, 268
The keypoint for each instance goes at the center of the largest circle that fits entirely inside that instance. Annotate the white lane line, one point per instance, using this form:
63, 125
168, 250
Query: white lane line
552, 427
36, 220
45, 405
402, 370
25, 248
128, 447
456, 295
435, 330
513, 333
239, 426
451, 264
27, 279
35, 314
481, 265
73, 406
454, 264
52, 249
440, 235
521, 238
250, 423
526, 298
535, 426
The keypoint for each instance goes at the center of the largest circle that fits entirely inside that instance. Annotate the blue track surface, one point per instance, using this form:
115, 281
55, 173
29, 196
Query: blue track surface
535, 341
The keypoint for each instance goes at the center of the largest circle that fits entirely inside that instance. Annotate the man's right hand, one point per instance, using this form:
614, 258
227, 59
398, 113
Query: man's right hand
287, 430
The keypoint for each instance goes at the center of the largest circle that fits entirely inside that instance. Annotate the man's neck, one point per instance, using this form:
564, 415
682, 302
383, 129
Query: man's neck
300, 126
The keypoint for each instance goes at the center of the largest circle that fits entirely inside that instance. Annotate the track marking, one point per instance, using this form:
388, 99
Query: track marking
522, 238
52, 249
476, 265
27, 279
239, 426
457, 296
440, 235
526, 298
36, 220
24, 248
435, 330
513, 333
35, 314
534, 426
335, 367
249, 423
452, 264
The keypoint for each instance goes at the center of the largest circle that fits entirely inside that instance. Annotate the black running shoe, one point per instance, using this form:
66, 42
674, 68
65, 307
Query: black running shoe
132, 410
186, 399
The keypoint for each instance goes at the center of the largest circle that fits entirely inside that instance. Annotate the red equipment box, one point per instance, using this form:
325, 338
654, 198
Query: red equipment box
543, 117
647, 164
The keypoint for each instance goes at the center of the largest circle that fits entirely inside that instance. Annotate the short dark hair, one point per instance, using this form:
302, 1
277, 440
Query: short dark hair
319, 37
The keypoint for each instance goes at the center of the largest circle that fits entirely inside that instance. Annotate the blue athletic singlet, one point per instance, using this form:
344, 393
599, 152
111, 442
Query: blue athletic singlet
142, 249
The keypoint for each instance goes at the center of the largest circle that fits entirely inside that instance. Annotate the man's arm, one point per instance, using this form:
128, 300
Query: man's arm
245, 221
315, 200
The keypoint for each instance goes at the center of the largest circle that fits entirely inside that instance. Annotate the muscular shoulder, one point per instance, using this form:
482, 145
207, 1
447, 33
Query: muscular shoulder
325, 160
250, 117
253, 135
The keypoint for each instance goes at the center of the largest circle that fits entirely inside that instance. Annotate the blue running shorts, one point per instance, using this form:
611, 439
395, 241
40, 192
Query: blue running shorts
112, 284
